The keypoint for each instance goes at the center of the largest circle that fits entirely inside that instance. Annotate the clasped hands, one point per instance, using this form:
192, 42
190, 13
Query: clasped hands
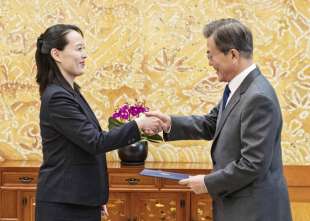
153, 122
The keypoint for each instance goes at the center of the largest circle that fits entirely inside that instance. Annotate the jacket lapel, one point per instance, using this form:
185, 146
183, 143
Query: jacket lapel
87, 110
80, 100
234, 101
230, 106
219, 116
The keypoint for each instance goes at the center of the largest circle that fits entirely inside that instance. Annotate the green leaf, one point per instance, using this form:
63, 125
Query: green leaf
114, 123
154, 138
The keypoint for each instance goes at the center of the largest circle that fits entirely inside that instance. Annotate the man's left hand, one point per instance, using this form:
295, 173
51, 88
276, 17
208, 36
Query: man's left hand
196, 183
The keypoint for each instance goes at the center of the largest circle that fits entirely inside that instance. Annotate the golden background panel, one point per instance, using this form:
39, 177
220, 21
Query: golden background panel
153, 50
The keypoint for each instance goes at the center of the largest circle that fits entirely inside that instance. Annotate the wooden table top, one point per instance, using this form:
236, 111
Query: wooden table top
117, 165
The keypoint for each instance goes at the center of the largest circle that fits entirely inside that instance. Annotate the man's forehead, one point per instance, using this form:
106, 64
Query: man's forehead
211, 44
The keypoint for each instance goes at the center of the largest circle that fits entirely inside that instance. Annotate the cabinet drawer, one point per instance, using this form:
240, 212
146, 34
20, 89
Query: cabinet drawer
172, 184
18, 178
131, 180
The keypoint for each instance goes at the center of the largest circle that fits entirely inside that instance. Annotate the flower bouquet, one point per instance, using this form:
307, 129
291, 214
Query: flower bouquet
129, 112
133, 154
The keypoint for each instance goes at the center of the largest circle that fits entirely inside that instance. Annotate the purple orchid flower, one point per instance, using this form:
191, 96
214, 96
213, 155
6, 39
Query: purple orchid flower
115, 115
126, 111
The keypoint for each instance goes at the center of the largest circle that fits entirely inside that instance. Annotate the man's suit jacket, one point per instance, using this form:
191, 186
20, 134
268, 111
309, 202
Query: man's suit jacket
247, 182
74, 166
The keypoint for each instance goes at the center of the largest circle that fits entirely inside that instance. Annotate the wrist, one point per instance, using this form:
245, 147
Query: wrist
139, 124
168, 129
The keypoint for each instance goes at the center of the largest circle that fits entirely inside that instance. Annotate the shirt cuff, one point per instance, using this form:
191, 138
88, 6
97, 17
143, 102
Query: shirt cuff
168, 131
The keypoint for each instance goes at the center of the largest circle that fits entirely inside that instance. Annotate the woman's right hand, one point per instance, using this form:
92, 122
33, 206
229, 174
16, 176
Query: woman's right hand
149, 125
165, 119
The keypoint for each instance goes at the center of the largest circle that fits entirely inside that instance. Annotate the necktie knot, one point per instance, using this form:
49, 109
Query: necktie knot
225, 96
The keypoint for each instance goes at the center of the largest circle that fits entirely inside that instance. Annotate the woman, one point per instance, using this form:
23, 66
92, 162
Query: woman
73, 180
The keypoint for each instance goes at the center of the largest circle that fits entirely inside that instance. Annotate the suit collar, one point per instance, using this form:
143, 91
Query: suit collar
79, 99
234, 100
87, 109
248, 80
235, 83
61, 81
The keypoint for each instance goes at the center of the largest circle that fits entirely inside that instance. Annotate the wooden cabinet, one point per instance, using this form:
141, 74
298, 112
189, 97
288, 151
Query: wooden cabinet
28, 205
119, 207
132, 197
159, 206
8, 204
138, 198
17, 191
132, 180
201, 209
147, 206
17, 205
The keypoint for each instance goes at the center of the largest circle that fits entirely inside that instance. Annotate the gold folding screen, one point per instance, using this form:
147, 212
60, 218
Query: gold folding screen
153, 50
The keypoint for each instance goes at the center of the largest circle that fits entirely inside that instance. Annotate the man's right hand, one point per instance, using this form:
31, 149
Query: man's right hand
149, 125
165, 119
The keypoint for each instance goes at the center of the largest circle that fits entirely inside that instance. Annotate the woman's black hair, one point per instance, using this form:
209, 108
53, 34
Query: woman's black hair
47, 70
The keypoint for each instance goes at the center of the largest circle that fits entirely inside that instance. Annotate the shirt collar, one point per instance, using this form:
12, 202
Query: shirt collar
237, 80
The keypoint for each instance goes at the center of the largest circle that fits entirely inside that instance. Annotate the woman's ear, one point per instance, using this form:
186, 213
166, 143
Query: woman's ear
55, 53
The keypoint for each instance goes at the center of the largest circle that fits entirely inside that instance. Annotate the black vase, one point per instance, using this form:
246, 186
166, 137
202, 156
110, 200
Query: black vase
133, 154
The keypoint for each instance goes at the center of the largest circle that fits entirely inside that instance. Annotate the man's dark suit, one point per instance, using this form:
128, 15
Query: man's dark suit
247, 182
74, 163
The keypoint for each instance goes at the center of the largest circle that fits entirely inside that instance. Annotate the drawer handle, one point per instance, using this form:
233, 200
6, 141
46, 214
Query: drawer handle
133, 181
25, 179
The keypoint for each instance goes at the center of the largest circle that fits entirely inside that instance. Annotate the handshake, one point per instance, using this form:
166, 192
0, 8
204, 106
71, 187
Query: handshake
153, 122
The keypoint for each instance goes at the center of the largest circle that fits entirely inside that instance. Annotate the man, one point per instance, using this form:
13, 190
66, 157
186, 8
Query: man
247, 182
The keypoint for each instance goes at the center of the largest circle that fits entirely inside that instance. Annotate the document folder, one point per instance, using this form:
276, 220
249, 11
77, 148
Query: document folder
164, 174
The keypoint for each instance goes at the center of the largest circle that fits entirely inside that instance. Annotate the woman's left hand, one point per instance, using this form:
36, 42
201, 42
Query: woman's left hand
104, 210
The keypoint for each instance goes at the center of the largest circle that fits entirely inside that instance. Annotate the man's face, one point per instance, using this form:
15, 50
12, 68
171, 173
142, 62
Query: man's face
222, 64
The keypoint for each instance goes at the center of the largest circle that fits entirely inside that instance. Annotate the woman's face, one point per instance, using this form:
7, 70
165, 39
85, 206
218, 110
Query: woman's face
71, 60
